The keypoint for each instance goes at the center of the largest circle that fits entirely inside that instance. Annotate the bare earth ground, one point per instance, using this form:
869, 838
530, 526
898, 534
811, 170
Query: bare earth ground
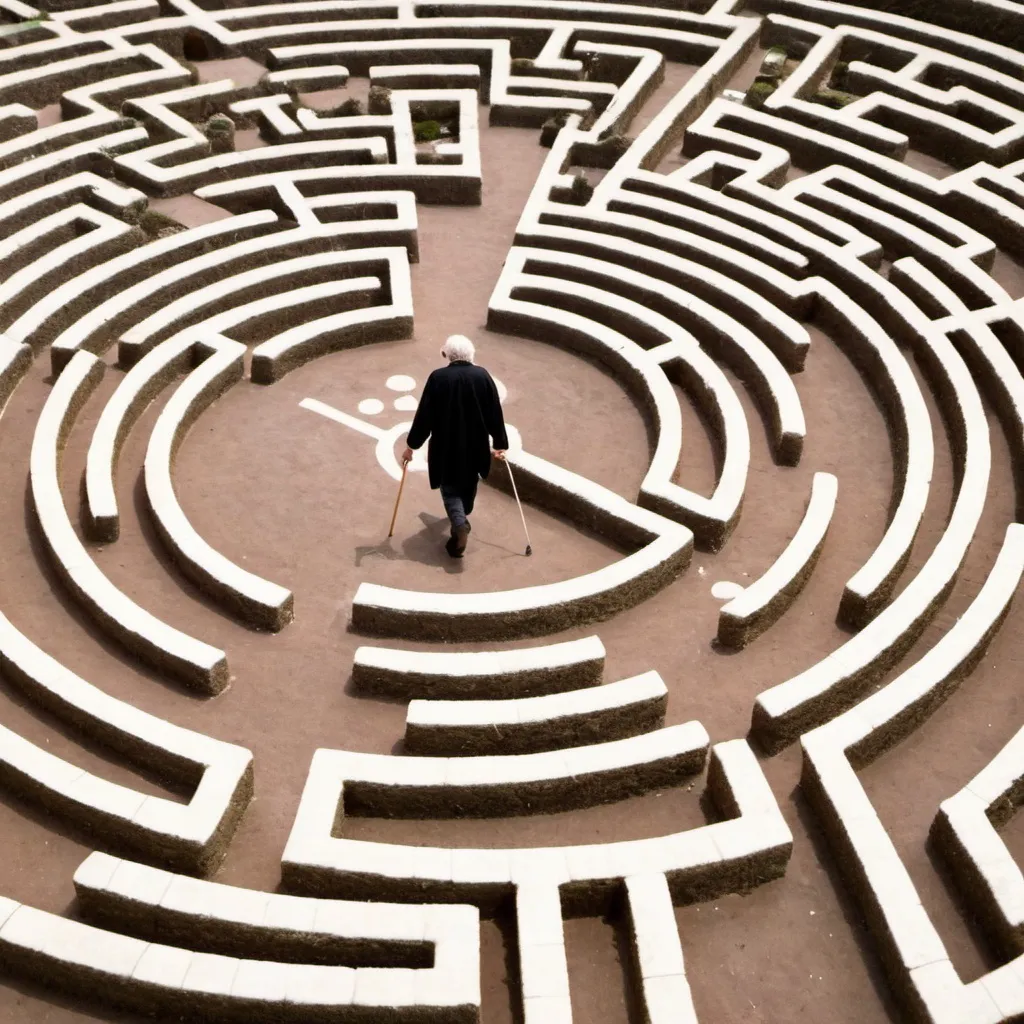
301, 500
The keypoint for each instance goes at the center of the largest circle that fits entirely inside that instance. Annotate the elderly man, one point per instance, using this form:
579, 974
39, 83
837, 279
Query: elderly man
460, 412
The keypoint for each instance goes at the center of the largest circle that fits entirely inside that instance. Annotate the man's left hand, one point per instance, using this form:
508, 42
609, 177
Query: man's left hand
407, 456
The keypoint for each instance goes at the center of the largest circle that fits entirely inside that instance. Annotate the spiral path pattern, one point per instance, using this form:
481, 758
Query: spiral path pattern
743, 741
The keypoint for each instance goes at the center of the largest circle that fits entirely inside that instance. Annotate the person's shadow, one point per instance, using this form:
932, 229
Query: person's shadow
425, 547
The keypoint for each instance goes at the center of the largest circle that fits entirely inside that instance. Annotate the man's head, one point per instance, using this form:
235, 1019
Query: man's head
459, 348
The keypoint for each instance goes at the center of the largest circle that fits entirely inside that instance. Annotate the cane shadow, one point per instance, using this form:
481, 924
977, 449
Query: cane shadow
386, 550
426, 547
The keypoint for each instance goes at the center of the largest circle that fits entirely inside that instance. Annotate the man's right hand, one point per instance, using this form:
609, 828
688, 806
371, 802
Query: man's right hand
407, 456
499, 454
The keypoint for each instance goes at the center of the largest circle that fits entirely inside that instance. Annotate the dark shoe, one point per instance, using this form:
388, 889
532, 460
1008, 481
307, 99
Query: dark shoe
450, 548
460, 536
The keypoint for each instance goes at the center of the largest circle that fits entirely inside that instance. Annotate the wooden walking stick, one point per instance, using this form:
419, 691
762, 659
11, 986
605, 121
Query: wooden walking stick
529, 547
394, 515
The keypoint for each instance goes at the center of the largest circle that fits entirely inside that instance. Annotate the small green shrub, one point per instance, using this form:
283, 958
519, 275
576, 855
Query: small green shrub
351, 107
522, 65
426, 131
758, 93
839, 75
834, 98
220, 130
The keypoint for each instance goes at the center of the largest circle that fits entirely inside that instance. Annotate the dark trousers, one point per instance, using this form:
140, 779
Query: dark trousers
459, 500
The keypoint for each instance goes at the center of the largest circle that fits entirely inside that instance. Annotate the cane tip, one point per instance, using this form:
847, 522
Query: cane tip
529, 550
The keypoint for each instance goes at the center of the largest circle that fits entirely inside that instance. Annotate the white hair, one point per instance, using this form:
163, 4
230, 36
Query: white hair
458, 346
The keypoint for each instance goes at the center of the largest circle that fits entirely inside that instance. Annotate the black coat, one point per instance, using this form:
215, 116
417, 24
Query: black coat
459, 411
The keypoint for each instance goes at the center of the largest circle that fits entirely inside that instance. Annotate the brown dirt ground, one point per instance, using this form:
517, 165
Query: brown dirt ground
301, 500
